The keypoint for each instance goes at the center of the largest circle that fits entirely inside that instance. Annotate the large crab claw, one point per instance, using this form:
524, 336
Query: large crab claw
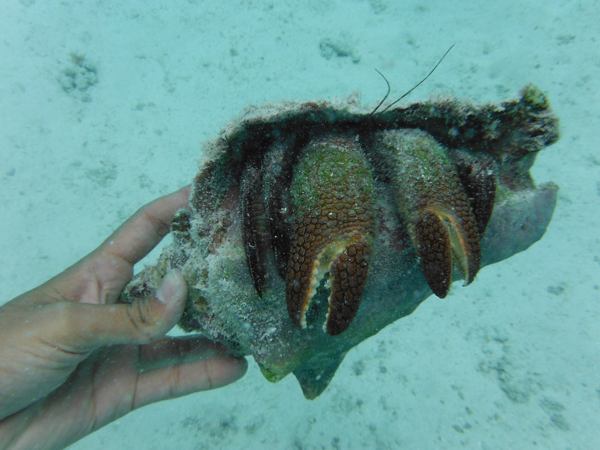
444, 212
441, 237
331, 230
346, 262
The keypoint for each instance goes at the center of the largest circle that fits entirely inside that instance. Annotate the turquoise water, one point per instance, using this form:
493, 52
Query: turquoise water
105, 105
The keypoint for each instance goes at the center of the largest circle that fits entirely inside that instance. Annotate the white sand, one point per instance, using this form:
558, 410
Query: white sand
511, 362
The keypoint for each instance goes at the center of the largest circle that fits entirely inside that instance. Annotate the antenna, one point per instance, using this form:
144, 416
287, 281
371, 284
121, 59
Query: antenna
386, 94
411, 89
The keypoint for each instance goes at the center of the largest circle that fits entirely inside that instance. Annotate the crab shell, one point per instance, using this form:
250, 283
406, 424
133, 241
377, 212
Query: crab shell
310, 227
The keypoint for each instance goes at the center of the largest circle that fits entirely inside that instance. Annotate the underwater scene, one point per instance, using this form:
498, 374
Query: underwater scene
327, 224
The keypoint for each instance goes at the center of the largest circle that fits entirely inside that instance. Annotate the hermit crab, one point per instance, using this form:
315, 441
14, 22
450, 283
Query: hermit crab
312, 226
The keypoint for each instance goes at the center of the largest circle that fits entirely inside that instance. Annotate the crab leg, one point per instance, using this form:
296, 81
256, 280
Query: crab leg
255, 232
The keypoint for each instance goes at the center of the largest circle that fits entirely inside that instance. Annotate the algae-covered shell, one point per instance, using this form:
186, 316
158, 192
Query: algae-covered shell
310, 227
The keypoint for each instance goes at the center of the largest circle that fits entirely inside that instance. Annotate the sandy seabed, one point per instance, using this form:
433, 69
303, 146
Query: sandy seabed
104, 106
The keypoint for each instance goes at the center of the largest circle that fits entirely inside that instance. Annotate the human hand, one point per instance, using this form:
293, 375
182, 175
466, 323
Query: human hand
73, 360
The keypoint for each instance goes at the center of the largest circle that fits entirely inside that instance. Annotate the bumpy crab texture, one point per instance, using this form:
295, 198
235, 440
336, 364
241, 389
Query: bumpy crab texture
311, 227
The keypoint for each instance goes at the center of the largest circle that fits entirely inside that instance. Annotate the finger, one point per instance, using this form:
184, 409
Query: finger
177, 367
100, 276
82, 328
169, 351
137, 236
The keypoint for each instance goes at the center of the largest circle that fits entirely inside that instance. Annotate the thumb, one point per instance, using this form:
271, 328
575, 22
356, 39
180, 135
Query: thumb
139, 322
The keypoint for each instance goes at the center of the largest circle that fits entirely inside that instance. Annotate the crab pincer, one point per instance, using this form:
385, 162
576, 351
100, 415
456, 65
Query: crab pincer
445, 212
331, 230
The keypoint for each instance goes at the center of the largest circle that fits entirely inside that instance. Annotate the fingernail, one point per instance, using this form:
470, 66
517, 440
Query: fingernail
171, 288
